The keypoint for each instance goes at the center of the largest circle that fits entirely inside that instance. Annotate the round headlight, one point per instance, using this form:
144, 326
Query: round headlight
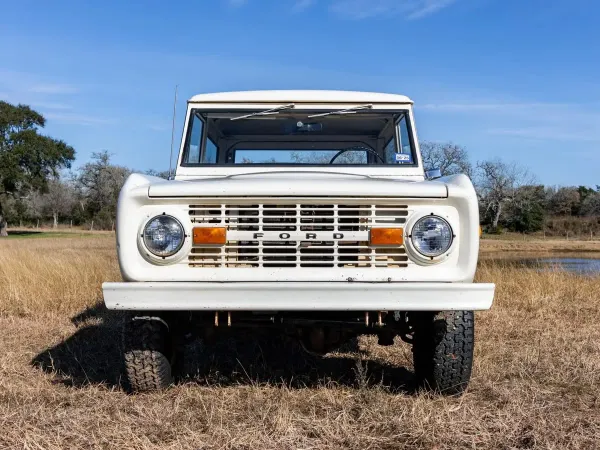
163, 236
431, 236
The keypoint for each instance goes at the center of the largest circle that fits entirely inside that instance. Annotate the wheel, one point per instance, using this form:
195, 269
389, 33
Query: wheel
146, 353
443, 350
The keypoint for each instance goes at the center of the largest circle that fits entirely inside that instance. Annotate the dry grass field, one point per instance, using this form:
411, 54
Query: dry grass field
556, 246
536, 381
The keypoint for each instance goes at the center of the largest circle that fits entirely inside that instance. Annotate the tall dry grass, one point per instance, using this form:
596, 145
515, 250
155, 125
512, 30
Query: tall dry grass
536, 382
55, 275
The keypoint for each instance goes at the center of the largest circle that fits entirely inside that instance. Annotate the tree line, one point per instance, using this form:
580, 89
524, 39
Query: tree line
85, 197
510, 198
37, 187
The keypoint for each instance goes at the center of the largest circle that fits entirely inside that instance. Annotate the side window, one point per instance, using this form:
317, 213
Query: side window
193, 144
399, 152
390, 151
404, 148
210, 152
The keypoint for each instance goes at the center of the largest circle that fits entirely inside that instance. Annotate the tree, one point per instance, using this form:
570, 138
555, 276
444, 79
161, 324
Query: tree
357, 156
35, 205
591, 205
565, 201
526, 212
100, 183
27, 158
246, 160
497, 184
16, 210
584, 193
59, 200
155, 173
446, 156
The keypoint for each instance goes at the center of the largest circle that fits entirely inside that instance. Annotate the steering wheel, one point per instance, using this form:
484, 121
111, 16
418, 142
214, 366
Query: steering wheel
366, 149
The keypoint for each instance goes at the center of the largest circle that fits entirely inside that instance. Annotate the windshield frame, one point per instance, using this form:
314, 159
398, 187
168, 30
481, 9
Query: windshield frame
414, 172
204, 113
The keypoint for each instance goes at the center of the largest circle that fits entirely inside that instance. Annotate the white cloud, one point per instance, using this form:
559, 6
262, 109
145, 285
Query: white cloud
565, 122
53, 88
528, 120
410, 9
50, 105
31, 86
548, 133
77, 119
35, 101
364, 9
158, 127
491, 106
301, 5
429, 7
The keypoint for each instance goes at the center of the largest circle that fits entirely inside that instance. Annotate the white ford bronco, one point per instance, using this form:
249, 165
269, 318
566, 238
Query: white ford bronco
304, 211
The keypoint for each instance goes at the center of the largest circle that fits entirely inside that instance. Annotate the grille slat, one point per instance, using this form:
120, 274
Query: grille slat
252, 228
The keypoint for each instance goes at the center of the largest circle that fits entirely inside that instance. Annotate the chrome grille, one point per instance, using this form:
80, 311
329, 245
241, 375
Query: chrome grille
251, 229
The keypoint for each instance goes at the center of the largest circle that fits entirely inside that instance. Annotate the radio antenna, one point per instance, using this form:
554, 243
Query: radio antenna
173, 133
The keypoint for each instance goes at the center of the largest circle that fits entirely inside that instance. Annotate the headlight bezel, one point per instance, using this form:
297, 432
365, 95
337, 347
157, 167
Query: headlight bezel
412, 249
154, 258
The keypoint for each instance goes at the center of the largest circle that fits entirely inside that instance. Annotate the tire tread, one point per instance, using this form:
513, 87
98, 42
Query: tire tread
443, 350
146, 363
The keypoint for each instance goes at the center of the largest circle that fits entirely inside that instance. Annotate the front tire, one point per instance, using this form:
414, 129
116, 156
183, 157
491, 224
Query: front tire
443, 350
146, 355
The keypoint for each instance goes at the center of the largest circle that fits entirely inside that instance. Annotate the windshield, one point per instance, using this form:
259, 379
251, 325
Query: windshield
285, 136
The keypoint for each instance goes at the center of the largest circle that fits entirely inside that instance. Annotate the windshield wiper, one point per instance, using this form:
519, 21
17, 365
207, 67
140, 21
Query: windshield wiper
343, 111
268, 112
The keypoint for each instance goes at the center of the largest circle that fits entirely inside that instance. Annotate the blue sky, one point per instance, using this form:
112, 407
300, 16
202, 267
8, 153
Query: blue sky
515, 79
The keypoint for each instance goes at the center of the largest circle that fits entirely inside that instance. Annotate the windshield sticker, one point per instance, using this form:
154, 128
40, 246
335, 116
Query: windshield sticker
401, 157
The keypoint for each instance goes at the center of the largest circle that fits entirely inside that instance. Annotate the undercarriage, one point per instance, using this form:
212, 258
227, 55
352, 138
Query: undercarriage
442, 343
318, 332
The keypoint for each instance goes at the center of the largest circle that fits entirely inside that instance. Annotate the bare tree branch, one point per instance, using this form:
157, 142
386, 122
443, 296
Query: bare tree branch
446, 156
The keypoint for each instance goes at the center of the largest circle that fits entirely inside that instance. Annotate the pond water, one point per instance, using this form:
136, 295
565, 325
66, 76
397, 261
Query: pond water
577, 265
584, 263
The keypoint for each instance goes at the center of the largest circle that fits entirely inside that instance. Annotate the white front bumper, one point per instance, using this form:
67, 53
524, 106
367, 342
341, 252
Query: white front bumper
298, 296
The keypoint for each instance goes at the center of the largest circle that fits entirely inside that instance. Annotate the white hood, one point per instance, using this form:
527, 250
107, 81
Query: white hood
299, 184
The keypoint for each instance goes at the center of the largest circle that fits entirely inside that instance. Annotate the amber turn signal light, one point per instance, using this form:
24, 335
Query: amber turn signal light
212, 235
387, 236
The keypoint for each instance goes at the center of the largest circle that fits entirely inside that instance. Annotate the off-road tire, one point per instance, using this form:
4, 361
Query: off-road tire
443, 350
146, 355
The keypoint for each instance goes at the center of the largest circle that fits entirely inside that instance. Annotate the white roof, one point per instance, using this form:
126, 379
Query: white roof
299, 96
